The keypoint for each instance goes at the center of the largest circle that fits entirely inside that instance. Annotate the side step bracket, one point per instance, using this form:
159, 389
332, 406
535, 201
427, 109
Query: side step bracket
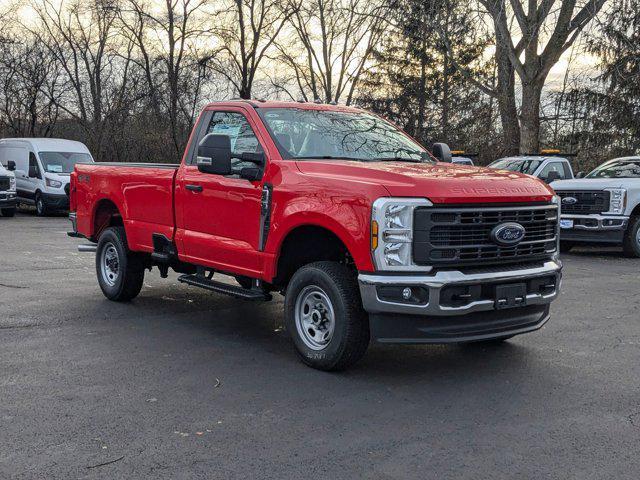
219, 287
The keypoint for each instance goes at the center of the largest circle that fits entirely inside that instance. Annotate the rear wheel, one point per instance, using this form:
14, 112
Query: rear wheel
324, 316
8, 212
41, 208
565, 247
631, 242
120, 271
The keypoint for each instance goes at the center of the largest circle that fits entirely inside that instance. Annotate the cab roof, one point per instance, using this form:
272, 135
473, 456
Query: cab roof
286, 104
541, 158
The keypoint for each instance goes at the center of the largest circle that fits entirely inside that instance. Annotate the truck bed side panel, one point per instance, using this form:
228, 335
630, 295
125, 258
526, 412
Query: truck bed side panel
143, 195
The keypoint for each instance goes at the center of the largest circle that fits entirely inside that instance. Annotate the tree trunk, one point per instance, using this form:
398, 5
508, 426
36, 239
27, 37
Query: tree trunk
507, 102
530, 118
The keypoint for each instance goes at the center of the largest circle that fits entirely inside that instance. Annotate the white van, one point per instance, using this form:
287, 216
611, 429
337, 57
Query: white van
43, 168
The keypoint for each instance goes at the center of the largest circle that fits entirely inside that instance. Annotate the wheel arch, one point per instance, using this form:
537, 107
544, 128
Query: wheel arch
306, 243
105, 214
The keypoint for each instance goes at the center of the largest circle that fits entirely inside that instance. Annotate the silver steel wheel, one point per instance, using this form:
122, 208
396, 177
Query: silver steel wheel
638, 237
39, 206
109, 264
315, 318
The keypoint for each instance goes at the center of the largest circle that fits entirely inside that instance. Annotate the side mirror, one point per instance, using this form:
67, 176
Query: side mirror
579, 174
552, 177
33, 171
11, 165
442, 152
214, 154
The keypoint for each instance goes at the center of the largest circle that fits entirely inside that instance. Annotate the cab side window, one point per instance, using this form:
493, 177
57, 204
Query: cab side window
243, 139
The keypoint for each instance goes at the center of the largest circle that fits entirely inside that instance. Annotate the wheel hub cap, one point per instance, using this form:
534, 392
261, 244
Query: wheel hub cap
110, 264
315, 318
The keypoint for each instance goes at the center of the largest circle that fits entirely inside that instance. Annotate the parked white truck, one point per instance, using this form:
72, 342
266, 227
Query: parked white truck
7, 190
603, 207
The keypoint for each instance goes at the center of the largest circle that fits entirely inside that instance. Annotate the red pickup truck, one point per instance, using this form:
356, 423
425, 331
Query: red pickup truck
365, 234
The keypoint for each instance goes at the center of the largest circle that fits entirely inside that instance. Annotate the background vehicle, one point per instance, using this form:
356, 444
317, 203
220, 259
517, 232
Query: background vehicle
328, 205
459, 157
43, 166
546, 168
7, 190
603, 207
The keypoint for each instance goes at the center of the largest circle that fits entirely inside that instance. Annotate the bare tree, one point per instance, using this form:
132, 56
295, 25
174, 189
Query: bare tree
169, 38
28, 82
332, 42
246, 31
546, 31
82, 38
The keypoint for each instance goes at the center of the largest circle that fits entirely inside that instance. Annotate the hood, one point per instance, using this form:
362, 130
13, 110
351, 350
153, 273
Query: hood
5, 173
595, 183
439, 182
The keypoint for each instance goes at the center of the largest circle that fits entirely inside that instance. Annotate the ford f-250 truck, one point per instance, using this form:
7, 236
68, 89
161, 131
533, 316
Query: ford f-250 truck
347, 216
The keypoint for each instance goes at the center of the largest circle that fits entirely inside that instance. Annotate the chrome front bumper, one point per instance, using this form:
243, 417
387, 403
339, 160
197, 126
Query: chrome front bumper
434, 283
596, 222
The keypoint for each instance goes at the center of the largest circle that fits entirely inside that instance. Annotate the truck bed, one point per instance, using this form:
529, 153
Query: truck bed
141, 192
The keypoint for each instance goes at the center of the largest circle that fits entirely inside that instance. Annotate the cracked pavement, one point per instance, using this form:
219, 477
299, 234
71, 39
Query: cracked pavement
183, 383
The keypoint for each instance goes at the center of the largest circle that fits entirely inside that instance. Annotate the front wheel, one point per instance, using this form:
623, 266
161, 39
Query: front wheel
631, 242
8, 212
41, 208
120, 271
324, 316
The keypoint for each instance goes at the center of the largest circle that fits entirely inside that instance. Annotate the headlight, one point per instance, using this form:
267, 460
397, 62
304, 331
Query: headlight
53, 183
392, 232
617, 200
12, 183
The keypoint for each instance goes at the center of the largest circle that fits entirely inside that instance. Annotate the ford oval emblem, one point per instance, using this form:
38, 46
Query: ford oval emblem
508, 234
569, 200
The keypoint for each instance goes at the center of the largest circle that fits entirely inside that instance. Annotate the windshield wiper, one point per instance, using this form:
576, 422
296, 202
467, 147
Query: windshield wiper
399, 159
330, 157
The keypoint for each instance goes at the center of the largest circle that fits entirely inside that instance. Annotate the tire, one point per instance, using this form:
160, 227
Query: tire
8, 212
565, 247
120, 272
337, 327
631, 242
41, 208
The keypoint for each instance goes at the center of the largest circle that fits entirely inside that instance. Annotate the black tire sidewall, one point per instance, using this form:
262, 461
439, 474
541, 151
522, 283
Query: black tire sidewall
329, 356
632, 248
41, 212
109, 236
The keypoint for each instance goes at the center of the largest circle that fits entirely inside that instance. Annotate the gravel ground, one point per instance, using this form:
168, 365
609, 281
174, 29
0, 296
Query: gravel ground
182, 383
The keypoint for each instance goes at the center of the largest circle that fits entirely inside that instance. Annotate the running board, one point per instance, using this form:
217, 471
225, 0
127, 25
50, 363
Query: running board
225, 288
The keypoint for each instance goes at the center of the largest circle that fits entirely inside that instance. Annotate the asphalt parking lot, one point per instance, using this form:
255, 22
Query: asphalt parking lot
182, 383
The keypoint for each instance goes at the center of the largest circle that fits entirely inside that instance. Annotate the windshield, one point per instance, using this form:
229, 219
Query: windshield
617, 169
527, 166
303, 133
62, 162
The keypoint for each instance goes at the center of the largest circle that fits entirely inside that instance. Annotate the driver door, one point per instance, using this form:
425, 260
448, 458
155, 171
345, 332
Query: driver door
220, 214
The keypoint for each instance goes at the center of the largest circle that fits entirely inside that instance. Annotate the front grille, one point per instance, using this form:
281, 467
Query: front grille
4, 183
587, 201
462, 235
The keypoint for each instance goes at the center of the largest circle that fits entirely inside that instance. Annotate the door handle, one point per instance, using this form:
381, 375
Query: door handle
194, 188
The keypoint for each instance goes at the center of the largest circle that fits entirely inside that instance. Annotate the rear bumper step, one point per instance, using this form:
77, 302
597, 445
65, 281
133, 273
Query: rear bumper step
224, 288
